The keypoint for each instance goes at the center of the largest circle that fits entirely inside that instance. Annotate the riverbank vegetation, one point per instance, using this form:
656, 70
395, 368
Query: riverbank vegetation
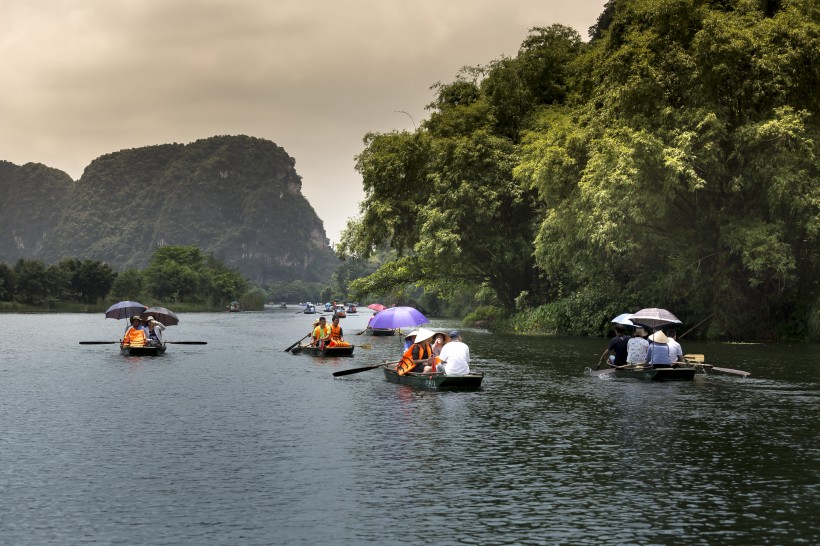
671, 161
180, 277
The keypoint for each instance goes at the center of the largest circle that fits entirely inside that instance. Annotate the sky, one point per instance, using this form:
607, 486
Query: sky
83, 78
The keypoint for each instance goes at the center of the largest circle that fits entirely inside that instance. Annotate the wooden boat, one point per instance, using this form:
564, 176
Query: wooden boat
327, 351
648, 373
339, 311
662, 373
148, 350
352, 309
434, 381
309, 309
381, 331
234, 307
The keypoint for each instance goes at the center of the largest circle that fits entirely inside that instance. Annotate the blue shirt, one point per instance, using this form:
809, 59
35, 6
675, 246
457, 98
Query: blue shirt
659, 353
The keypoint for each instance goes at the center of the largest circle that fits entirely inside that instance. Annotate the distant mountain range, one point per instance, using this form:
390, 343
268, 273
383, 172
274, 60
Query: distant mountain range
237, 197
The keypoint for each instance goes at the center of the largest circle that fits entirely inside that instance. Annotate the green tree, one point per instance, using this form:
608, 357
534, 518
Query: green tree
127, 285
8, 282
32, 282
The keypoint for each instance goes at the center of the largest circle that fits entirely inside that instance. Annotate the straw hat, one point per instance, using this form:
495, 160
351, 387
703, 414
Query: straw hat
423, 334
659, 337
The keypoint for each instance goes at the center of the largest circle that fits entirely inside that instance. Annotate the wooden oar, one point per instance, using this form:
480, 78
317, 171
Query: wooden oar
363, 331
357, 370
694, 362
365, 346
97, 342
187, 342
297, 343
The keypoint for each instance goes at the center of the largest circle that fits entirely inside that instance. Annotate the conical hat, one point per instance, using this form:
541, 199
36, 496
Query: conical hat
659, 337
423, 334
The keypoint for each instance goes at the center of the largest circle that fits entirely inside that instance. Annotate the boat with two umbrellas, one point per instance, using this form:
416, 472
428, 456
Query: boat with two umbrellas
655, 320
147, 345
370, 330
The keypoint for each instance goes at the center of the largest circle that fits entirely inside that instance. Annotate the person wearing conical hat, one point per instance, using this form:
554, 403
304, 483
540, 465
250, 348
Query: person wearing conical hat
415, 358
659, 353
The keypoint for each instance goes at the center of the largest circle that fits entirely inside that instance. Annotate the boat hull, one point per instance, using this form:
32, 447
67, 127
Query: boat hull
682, 373
143, 351
382, 332
436, 381
327, 351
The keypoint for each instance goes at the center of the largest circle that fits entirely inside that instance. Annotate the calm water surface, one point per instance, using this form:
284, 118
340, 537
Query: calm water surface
238, 442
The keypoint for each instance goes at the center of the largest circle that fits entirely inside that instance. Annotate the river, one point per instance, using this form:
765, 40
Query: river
238, 442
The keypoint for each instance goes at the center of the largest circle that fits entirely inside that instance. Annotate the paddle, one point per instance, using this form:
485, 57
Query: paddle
187, 342
696, 362
357, 370
97, 342
363, 331
297, 343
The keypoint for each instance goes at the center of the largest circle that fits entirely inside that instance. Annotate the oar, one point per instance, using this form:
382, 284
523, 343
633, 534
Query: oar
187, 342
363, 331
723, 370
732, 371
97, 342
357, 370
297, 343
365, 346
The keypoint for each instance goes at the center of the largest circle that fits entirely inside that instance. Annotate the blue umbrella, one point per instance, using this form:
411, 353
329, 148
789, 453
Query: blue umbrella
124, 309
623, 319
398, 317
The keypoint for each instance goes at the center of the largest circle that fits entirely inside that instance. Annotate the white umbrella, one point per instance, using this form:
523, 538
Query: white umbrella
653, 317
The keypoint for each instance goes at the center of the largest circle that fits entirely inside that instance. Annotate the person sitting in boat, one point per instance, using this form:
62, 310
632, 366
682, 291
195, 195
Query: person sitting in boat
321, 333
659, 353
674, 347
616, 351
637, 347
336, 337
455, 356
135, 335
439, 339
416, 357
155, 329
409, 338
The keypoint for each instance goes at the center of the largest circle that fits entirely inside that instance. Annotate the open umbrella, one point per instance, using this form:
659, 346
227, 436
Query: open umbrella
161, 314
623, 319
124, 309
398, 317
376, 307
654, 318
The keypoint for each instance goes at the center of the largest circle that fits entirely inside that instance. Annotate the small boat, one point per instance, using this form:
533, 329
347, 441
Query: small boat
434, 381
310, 309
283, 305
148, 350
649, 373
327, 351
339, 311
234, 307
382, 331
351, 309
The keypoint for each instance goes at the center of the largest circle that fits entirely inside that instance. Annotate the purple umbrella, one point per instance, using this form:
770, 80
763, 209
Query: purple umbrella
654, 318
124, 309
398, 317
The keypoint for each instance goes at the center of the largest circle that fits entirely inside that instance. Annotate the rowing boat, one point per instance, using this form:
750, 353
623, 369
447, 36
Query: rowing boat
434, 381
382, 331
148, 350
661, 373
327, 351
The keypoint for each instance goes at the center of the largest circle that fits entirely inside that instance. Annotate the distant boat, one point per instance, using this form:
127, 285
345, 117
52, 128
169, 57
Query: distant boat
351, 308
283, 305
234, 307
310, 309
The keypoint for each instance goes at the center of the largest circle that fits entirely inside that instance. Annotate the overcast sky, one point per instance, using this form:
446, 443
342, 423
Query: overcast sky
81, 78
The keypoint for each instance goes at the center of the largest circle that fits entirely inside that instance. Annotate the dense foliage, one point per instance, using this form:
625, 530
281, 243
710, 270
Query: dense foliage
670, 162
175, 275
236, 197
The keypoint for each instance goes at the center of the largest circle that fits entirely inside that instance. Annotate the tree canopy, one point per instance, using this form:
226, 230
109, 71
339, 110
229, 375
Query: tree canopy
671, 162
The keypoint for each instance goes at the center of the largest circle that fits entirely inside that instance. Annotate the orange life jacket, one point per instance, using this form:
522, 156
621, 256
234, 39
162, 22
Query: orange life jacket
336, 332
407, 362
134, 337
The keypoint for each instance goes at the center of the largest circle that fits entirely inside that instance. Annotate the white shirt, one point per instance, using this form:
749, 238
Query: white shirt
675, 350
456, 358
